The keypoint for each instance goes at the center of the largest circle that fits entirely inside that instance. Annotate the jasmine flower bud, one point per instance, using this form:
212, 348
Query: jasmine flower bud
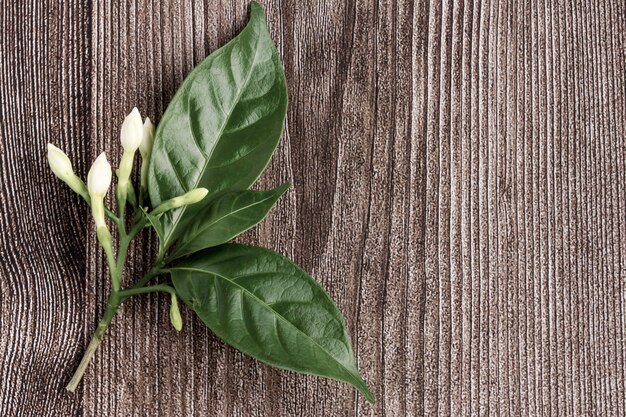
59, 163
190, 197
131, 136
131, 133
145, 147
99, 177
98, 182
62, 167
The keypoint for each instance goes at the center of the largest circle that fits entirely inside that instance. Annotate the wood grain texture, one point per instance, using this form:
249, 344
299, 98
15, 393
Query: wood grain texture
459, 174
44, 96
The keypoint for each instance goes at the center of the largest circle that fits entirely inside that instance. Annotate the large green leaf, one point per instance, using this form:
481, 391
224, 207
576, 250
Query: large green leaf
264, 305
222, 126
228, 216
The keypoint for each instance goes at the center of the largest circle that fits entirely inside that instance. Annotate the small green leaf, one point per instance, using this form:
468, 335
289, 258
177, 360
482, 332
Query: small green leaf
266, 306
222, 126
228, 216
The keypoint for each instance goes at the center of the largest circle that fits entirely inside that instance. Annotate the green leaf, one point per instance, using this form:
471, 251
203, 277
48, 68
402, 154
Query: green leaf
222, 126
228, 216
266, 306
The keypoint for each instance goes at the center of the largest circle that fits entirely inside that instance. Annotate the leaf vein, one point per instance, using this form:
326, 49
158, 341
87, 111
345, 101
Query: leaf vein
206, 163
280, 316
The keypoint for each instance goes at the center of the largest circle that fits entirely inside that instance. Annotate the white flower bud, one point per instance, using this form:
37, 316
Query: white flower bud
145, 149
132, 131
99, 177
148, 137
60, 163
62, 168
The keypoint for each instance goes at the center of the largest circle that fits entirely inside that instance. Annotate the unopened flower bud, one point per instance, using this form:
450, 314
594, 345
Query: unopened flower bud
59, 163
190, 197
175, 318
131, 136
99, 177
98, 182
62, 167
145, 147
131, 133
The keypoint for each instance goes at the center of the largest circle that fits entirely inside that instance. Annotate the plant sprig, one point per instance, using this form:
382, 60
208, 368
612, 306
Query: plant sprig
214, 140
135, 134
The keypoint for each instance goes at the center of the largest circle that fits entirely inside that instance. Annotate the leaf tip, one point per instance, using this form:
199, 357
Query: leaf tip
368, 396
284, 187
362, 388
255, 8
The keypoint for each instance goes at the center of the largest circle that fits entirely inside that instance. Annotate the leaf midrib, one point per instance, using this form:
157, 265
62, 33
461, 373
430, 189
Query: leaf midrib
281, 317
219, 135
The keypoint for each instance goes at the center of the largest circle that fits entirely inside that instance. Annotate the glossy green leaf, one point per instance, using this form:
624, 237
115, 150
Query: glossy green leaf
228, 216
266, 306
222, 126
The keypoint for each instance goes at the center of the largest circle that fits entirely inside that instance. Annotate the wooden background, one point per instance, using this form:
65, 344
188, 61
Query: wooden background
459, 189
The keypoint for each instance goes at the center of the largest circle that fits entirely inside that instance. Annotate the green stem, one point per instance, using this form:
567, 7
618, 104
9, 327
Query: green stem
112, 216
116, 276
117, 296
143, 290
116, 268
121, 253
107, 212
120, 195
140, 223
112, 307
153, 272
125, 240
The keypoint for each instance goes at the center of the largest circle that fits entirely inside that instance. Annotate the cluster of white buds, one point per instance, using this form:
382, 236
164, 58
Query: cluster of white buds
135, 135
98, 182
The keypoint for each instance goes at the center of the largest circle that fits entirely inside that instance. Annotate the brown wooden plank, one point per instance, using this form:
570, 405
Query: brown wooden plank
459, 174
